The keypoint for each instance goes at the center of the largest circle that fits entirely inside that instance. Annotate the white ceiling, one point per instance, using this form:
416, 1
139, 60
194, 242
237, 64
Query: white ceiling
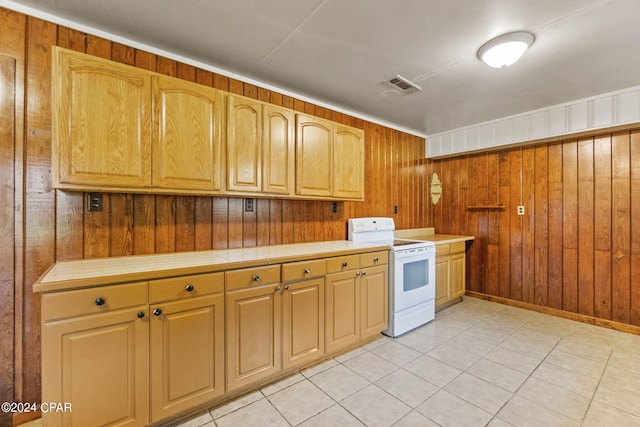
340, 52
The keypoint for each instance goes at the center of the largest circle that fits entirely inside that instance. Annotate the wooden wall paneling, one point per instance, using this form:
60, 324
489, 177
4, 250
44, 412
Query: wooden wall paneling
275, 222
463, 196
602, 226
482, 191
515, 245
7, 228
235, 221
585, 226
39, 197
504, 222
250, 91
528, 224
493, 225
220, 227
405, 182
123, 54
475, 280
541, 215
185, 223
621, 237
288, 221
635, 227
318, 220
263, 211
236, 87
570, 226
144, 205
165, 226
554, 239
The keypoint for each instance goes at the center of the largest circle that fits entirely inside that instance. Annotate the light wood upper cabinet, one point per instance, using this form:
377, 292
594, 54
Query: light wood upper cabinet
278, 150
314, 156
101, 122
348, 163
244, 144
329, 159
187, 137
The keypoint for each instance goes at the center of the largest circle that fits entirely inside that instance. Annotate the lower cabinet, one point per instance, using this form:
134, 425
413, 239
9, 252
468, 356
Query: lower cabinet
357, 299
187, 354
254, 318
451, 262
99, 364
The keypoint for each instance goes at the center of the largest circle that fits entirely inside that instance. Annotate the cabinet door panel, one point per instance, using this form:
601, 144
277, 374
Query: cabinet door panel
303, 322
187, 352
375, 301
314, 156
187, 140
101, 122
458, 273
253, 335
348, 163
244, 144
278, 150
98, 363
442, 279
343, 310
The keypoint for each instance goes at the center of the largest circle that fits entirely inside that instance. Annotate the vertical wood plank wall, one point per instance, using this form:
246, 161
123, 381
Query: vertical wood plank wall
53, 225
577, 248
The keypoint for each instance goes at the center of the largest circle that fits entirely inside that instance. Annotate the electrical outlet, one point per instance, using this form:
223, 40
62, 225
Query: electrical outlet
248, 205
334, 207
94, 202
520, 210
395, 209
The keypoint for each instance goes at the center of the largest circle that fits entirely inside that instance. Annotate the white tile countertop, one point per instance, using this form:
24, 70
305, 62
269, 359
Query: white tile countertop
66, 275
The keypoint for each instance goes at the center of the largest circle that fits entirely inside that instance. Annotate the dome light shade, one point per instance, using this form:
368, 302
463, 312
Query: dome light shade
506, 49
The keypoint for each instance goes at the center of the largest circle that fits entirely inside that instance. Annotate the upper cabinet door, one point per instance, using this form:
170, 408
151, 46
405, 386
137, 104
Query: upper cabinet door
187, 140
278, 150
101, 122
314, 156
244, 144
348, 163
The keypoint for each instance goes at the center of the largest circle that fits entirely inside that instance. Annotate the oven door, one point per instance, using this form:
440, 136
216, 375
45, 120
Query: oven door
413, 277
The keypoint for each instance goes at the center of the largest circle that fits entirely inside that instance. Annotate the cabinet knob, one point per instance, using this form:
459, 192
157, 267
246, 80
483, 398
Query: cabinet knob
256, 278
157, 312
189, 287
357, 273
344, 264
100, 301
278, 289
140, 314
286, 288
376, 259
307, 271
364, 273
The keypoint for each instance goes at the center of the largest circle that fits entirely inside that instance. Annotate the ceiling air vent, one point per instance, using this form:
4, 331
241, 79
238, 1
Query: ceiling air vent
404, 85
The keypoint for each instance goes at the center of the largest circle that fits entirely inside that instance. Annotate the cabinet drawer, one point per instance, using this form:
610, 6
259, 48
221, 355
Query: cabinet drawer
374, 258
303, 270
185, 287
252, 277
60, 305
458, 247
442, 249
343, 263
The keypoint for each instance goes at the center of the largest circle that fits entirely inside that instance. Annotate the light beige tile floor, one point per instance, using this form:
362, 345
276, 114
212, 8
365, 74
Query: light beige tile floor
477, 364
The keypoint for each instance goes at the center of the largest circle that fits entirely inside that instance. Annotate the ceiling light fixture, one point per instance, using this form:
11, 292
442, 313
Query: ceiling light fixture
506, 49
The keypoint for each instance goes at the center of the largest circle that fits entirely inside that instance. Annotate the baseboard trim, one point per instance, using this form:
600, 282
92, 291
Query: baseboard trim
610, 324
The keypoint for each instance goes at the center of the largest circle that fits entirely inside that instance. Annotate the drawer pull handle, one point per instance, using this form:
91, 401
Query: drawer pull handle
100, 301
344, 264
256, 278
140, 314
189, 288
157, 312
376, 259
307, 271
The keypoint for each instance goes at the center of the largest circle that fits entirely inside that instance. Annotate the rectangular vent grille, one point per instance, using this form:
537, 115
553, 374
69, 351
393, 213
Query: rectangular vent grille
404, 85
